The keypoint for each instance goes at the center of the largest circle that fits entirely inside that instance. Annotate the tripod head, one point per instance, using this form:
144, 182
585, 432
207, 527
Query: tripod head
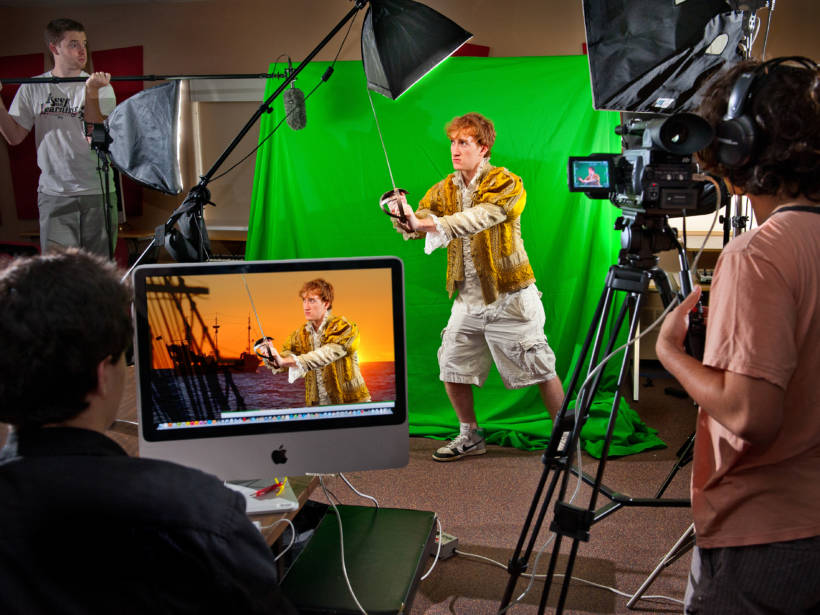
100, 138
642, 237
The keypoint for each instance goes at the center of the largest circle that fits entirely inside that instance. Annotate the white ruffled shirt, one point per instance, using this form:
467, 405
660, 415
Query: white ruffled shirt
298, 371
469, 290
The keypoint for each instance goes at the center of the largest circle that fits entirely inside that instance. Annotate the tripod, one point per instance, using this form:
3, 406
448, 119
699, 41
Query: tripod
191, 242
100, 140
643, 236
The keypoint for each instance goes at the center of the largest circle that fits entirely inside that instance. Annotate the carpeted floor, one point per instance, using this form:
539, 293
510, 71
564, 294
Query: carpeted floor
483, 501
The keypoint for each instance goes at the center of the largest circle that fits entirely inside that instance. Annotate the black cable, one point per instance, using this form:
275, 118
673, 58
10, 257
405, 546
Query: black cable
325, 76
102, 174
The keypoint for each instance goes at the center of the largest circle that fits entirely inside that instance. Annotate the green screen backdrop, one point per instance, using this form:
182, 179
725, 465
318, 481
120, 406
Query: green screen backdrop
316, 196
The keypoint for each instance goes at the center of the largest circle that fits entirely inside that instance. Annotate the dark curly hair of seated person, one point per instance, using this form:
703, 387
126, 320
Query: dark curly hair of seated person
61, 314
785, 107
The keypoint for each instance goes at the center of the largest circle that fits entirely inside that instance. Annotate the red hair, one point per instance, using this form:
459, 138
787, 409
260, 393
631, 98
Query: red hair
474, 125
319, 287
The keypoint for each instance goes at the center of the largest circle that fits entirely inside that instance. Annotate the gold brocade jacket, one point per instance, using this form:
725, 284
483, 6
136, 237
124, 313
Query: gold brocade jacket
336, 360
492, 225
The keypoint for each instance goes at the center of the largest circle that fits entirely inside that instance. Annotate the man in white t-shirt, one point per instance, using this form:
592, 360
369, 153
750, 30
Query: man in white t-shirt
70, 192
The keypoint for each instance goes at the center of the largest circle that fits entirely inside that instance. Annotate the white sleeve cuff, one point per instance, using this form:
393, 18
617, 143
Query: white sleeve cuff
296, 371
438, 239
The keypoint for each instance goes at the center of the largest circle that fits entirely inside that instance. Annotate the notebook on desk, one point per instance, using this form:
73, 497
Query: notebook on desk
284, 501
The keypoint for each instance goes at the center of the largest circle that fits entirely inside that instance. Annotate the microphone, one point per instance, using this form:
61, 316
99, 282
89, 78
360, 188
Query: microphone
294, 101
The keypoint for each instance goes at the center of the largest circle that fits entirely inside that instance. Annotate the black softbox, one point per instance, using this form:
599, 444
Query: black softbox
143, 132
655, 56
402, 41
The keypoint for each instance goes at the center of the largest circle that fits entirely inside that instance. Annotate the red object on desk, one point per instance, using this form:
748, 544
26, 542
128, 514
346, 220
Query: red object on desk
277, 486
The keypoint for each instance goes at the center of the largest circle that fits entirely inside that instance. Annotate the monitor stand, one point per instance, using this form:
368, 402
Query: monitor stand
285, 501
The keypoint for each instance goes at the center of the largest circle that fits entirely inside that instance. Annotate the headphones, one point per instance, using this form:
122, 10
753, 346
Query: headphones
736, 133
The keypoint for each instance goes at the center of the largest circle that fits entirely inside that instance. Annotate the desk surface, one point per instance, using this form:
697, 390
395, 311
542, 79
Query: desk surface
125, 433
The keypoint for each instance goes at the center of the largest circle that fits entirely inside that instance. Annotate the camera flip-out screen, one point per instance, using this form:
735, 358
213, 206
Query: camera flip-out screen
592, 174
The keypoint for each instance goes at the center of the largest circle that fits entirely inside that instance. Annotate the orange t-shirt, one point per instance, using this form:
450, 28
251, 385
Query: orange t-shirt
764, 322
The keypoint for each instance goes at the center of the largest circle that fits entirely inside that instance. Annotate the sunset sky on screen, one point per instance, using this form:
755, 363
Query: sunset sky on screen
363, 296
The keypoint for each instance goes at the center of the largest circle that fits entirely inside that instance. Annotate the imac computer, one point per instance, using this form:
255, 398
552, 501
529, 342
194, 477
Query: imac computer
206, 399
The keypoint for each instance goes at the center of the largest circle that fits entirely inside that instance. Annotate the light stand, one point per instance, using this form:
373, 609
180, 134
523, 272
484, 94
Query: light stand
391, 67
402, 40
199, 195
643, 236
100, 140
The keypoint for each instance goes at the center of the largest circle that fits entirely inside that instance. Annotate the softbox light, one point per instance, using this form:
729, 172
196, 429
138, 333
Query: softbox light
143, 130
655, 57
402, 41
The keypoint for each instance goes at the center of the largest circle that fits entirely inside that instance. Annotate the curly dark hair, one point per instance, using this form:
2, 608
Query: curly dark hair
785, 106
60, 315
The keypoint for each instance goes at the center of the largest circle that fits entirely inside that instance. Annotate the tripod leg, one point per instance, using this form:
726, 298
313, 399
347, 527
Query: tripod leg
684, 456
554, 459
684, 543
518, 563
571, 520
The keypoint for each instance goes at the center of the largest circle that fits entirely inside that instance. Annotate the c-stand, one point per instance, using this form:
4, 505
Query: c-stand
642, 237
100, 140
190, 212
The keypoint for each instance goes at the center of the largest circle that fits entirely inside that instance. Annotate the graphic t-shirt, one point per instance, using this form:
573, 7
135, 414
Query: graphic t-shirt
67, 163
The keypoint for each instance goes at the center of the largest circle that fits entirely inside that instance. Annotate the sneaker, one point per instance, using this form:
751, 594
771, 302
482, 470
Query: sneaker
464, 444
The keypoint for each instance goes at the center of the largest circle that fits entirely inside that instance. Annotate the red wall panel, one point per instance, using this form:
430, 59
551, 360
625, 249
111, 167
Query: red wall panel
22, 157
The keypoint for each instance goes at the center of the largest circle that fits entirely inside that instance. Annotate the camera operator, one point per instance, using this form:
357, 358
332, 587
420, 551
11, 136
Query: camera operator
756, 470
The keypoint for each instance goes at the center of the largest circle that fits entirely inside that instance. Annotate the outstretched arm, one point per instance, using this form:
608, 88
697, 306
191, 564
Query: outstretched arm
303, 363
12, 132
751, 408
498, 198
414, 224
324, 355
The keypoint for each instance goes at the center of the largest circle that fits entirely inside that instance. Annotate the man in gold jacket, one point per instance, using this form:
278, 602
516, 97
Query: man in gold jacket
497, 314
323, 351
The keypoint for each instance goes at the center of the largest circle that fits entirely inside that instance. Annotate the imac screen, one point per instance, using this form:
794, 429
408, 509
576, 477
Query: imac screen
328, 392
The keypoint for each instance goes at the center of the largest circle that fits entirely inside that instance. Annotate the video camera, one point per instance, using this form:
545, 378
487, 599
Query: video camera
654, 174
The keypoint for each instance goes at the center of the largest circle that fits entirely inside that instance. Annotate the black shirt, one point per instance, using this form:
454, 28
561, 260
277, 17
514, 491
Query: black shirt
86, 529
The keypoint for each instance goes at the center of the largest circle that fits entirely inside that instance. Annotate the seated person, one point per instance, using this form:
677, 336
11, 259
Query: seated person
323, 351
87, 529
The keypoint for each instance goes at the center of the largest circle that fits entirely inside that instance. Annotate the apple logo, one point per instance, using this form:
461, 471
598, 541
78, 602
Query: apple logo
279, 455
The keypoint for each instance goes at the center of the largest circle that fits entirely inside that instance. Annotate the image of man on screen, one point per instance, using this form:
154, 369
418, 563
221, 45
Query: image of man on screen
592, 179
323, 351
87, 528
497, 315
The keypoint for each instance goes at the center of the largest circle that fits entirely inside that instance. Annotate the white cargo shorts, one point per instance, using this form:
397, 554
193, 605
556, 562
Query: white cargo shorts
511, 334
